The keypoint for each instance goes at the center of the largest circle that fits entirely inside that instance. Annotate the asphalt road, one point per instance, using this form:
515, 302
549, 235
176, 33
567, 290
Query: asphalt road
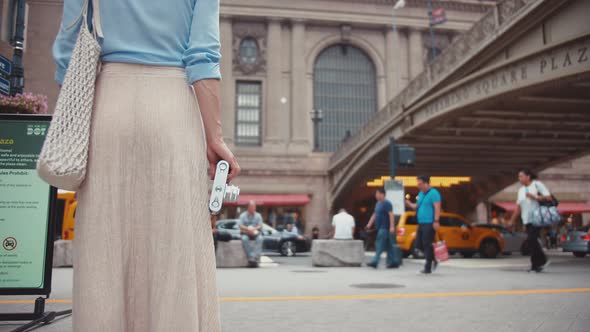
288, 294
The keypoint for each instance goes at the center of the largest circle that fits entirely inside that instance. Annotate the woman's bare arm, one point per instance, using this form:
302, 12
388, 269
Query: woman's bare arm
208, 95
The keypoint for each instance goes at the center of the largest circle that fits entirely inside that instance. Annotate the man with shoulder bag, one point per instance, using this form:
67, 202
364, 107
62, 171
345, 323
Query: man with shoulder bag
534, 205
428, 208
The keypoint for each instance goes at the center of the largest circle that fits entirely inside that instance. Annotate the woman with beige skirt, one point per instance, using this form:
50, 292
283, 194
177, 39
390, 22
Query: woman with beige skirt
144, 258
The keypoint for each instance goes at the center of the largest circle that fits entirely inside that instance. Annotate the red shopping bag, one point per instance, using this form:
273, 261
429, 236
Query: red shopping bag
441, 253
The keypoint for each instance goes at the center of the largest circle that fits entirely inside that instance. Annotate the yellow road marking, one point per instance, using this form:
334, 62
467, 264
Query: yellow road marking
405, 296
365, 297
32, 301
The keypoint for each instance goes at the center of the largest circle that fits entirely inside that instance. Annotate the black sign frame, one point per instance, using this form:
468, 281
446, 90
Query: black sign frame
52, 197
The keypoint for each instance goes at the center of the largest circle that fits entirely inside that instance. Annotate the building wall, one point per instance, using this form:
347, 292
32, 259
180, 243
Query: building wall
296, 33
291, 35
42, 26
5, 47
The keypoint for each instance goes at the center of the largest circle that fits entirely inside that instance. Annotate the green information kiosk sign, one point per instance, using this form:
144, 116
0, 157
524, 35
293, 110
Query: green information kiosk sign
26, 208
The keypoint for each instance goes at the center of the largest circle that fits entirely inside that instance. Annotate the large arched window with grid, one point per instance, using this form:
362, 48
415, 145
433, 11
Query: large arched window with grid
345, 91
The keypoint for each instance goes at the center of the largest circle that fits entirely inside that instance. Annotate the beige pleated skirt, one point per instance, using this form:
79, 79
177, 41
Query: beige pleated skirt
144, 258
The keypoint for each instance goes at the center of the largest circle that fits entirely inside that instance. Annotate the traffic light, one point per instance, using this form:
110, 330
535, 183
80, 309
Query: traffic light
406, 155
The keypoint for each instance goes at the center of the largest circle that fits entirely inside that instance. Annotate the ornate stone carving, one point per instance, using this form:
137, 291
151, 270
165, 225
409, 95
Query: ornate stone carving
446, 4
462, 47
256, 31
441, 39
345, 32
507, 9
422, 80
488, 24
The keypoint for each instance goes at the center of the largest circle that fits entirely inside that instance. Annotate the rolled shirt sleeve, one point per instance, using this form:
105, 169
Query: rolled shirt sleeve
202, 55
66, 37
258, 219
543, 191
436, 197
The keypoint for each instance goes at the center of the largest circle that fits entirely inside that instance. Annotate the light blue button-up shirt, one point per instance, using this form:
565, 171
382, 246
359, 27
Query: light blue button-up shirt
177, 33
247, 220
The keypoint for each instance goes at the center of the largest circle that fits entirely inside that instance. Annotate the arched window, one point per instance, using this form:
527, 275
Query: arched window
345, 91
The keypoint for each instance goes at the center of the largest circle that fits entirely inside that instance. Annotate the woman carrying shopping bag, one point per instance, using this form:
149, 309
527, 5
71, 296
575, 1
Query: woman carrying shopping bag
531, 193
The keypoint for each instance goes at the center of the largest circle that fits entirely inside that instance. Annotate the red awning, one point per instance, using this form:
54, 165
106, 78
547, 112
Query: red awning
563, 207
273, 199
508, 206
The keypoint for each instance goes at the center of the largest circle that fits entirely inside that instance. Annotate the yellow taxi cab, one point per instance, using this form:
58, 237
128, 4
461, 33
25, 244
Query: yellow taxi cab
66, 212
457, 233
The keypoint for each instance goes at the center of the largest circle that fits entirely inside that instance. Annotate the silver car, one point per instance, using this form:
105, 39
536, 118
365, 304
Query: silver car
513, 241
577, 242
285, 243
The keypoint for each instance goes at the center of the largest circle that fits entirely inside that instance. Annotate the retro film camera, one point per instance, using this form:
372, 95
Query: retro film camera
221, 191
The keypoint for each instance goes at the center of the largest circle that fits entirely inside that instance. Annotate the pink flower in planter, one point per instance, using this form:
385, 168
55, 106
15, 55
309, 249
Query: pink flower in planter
24, 103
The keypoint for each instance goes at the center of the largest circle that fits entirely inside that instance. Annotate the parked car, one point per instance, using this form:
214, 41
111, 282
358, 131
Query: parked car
577, 242
285, 243
66, 212
458, 234
513, 241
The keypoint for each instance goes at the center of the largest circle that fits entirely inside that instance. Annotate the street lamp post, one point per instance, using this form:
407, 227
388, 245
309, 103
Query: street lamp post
398, 5
430, 26
316, 116
18, 43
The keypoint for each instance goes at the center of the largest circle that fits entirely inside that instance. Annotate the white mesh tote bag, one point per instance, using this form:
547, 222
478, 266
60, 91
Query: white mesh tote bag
63, 159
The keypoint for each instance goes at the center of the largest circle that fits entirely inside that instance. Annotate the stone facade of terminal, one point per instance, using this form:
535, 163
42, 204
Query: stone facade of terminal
270, 51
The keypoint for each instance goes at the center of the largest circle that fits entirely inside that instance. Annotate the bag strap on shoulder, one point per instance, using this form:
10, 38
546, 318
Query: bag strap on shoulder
536, 183
96, 20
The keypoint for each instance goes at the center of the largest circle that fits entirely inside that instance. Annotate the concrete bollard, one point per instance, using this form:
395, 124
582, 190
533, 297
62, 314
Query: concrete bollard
231, 254
63, 253
337, 253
